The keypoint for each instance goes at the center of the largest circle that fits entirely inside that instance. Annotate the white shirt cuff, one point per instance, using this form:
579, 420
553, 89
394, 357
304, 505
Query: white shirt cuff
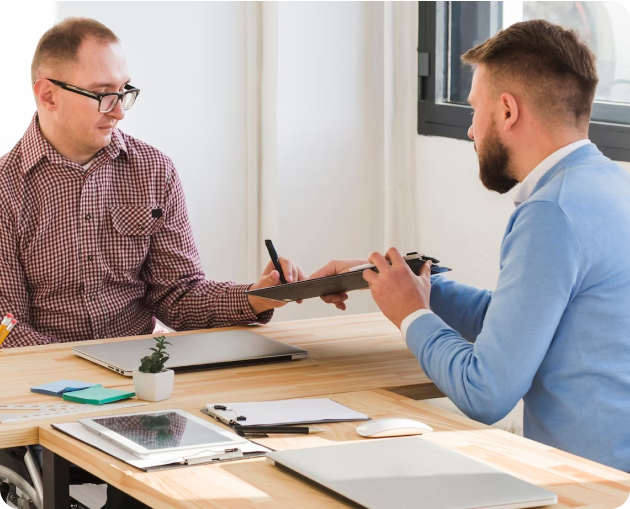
408, 321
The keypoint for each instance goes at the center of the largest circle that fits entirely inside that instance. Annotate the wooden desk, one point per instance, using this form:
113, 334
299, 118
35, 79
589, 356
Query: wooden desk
255, 483
349, 353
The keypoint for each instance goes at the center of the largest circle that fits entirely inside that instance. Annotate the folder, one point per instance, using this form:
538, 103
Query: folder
339, 283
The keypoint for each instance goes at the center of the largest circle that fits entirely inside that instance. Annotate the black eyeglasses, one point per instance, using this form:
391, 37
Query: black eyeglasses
108, 101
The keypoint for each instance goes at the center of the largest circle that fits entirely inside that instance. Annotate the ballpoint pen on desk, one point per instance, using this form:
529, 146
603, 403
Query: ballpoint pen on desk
275, 260
5, 332
260, 430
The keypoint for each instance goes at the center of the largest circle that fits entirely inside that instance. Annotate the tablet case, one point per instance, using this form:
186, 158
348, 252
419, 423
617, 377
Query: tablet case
345, 282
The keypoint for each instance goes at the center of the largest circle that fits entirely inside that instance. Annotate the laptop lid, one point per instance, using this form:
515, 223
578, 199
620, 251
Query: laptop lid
410, 473
193, 352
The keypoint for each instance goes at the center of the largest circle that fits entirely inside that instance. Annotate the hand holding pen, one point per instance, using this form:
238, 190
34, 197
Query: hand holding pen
278, 271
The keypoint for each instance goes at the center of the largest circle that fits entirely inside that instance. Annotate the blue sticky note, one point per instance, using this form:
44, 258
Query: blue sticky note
61, 387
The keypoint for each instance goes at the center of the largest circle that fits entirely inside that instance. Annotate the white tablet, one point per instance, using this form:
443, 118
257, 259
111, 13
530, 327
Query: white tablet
163, 431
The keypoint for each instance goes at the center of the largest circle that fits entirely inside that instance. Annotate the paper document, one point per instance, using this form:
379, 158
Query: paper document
80, 432
287, 411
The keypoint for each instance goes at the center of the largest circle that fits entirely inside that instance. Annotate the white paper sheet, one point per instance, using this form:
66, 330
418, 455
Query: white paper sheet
83, 434
288, 411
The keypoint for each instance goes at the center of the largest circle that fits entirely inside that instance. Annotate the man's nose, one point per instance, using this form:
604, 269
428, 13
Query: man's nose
118, 113
471, 134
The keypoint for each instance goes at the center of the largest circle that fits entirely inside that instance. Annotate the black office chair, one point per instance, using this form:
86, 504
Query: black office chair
20, 479
21, 483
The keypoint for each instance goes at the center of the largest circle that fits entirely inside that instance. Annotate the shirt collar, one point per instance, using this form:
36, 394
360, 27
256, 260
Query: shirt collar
525, 189
34, 147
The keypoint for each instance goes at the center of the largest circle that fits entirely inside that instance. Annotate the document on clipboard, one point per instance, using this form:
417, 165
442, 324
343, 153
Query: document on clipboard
339, 283
283, 412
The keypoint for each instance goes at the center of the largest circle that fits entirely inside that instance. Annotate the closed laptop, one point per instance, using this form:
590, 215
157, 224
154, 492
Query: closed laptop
410, 473
193, 352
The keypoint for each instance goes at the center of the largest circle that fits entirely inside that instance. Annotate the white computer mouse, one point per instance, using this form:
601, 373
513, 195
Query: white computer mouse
392, 427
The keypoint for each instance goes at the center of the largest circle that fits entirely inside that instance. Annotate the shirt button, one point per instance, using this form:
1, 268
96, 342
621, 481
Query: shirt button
139, 227
90, 258
91, 297
88, 216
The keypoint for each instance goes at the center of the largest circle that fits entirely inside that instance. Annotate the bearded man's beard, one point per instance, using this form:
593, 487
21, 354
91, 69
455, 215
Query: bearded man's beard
494, 163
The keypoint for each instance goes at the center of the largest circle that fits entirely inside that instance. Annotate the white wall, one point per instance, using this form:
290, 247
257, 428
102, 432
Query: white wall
329, 119
21, 26
189, 59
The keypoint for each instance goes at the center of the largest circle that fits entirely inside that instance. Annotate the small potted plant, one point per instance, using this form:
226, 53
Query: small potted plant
151, 381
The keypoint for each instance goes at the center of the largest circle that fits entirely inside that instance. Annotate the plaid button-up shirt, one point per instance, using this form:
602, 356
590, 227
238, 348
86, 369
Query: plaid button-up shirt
101, 253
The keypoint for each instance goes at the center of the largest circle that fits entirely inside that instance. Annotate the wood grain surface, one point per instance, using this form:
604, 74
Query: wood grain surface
349, 353
254, 483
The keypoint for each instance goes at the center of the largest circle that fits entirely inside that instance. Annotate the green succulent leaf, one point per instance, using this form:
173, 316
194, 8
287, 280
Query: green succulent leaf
154, 363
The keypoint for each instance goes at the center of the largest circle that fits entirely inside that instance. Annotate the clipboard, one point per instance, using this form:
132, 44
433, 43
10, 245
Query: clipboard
339, 283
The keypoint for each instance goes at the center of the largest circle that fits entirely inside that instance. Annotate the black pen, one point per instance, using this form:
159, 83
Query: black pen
303, 430
274, 259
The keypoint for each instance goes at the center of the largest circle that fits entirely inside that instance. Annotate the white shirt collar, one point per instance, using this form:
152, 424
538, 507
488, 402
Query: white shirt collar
525, 189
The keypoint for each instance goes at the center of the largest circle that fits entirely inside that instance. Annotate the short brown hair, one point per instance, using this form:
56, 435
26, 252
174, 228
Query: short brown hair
553, 67
60, 44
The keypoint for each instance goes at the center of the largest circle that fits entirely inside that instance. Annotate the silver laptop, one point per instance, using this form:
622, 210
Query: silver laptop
410, 473
193, 352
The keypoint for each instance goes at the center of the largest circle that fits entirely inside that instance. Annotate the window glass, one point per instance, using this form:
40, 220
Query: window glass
604, 26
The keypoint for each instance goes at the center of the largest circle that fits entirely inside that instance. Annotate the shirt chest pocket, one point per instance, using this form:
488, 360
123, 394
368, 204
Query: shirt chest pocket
127, 247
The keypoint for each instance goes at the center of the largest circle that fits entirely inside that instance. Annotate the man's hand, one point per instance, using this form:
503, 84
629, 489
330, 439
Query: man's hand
330, 269
271, 277
397, 291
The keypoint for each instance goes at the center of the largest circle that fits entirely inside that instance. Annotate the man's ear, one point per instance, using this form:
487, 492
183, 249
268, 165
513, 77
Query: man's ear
509, 111
43, 90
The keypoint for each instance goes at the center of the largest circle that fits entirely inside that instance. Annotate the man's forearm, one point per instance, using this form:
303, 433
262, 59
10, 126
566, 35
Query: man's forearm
461, 306
24, 335
201, 304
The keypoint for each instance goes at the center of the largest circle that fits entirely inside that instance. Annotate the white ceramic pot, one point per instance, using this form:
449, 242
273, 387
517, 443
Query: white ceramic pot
154, 386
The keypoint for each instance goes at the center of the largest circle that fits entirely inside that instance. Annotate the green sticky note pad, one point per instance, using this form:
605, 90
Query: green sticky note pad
97, 395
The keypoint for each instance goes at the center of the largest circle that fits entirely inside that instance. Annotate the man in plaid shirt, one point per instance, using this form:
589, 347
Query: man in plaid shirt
96, 240
95, 237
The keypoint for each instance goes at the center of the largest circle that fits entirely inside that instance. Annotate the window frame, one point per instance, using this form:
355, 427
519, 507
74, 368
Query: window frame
453, 120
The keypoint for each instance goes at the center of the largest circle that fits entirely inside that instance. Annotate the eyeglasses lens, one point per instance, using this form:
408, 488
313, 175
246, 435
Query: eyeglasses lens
108, 103
128, 100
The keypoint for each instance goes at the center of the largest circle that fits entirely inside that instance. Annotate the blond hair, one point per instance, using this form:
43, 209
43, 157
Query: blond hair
60, 44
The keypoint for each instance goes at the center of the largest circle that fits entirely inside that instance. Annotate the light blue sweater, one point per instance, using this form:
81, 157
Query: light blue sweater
556, 331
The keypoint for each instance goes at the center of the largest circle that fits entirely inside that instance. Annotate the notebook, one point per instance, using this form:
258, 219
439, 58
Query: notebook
410, 473
287, 411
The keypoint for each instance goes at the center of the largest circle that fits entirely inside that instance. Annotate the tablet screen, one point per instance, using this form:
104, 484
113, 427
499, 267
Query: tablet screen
161, 430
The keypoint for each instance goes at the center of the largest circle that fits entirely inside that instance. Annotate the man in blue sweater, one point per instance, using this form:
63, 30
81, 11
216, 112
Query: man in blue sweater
556, 331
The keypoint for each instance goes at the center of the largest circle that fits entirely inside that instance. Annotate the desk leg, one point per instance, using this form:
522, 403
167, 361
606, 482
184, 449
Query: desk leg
56, 481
